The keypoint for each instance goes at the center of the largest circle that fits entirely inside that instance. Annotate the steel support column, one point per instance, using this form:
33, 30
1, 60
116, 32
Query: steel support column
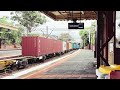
95, 52
105, 37
0, 38
99, 14
106, 27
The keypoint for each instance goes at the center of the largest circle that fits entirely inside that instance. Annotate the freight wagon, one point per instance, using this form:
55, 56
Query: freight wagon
75, 46
64, 47
70, 46
67, 47
78, 46
40, 47
35, 48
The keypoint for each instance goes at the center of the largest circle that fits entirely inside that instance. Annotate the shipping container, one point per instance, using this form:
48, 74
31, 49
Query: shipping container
29, 46
64, 46
38, 46
70, 46
67, 45
74, 45
58, 46
77, 46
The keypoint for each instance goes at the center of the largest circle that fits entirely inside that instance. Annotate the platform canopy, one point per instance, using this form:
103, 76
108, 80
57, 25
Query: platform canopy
70, 15
8, 26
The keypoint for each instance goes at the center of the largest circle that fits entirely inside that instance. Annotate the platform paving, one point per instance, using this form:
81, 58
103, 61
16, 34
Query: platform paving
78, 66
82, 64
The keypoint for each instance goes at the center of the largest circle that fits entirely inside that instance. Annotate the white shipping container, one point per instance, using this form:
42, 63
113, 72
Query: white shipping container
64, 46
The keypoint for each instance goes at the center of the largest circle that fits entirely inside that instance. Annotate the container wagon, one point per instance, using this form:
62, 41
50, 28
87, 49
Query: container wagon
40, 47
74, 46
70, 46
78, 46
35, 48
67, 46
64, 47
58, 47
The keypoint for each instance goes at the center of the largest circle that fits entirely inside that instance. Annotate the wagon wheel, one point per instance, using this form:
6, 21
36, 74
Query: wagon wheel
60, 54
43, 59
25, 61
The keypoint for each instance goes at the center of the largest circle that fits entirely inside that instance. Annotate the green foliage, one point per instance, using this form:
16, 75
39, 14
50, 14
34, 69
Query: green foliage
5, 35
28, 19
85, 37
93, 33
33, 34
4, 20
9, 37
65, 37
93, 37
16, 35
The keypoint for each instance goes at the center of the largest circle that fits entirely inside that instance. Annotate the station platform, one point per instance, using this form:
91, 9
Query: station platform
9, 53
9, 49
79, 65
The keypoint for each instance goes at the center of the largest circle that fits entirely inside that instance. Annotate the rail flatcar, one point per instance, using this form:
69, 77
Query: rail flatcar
35, 48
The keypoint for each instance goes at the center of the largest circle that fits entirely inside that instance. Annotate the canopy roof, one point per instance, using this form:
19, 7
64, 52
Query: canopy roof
8, 26
70, 15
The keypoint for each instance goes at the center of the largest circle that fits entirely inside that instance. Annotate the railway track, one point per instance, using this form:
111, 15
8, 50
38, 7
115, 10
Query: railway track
15, 70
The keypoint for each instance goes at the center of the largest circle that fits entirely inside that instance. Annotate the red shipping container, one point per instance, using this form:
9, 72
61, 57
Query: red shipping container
67, 45
38, 46
58, 46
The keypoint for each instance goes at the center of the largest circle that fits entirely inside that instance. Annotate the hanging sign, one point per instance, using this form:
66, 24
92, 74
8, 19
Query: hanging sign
75, 25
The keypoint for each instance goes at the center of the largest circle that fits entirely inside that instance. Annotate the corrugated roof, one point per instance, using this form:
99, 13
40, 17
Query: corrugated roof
70, 15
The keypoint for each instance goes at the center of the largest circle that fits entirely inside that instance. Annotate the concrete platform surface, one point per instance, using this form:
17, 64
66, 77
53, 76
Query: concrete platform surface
80, 65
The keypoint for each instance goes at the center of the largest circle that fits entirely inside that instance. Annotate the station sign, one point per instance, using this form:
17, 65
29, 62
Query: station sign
75, 25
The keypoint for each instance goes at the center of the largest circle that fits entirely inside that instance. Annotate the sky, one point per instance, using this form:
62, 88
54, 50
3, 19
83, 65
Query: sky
117, 27
55, 27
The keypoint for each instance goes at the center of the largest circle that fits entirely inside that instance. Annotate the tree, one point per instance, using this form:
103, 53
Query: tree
29, 19
84, 36
93, 25
65, 37
4, 20
4, 35
9, 37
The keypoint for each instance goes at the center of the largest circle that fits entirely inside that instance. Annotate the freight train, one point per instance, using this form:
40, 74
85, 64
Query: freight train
35, 48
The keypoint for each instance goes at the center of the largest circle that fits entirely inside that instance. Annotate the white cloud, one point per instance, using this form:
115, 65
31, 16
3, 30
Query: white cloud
58, 27
5, 13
